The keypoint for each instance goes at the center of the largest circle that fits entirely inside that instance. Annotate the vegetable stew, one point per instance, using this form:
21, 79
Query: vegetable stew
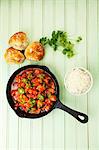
33, 91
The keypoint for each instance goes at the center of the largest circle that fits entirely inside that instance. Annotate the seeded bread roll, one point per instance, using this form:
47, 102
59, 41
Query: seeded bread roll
13, 56
19, 41
35, 51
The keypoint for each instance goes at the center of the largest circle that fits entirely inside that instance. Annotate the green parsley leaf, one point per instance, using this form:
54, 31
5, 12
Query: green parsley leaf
79, 39
64, 51
70, 54
61, 39
43, 41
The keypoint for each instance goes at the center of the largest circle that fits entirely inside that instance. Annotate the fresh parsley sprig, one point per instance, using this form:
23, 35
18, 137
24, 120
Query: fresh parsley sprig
61, 39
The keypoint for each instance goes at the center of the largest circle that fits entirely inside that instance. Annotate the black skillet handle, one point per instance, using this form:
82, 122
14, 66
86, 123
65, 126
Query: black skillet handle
83, 118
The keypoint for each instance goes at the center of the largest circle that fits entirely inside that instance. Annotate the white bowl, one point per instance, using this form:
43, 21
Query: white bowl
87, 90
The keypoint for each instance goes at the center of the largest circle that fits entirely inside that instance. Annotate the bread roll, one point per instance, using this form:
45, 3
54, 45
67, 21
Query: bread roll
35, 51
13, 56
19, 41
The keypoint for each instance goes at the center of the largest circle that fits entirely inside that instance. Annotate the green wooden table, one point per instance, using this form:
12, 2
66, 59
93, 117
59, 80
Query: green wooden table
58, 130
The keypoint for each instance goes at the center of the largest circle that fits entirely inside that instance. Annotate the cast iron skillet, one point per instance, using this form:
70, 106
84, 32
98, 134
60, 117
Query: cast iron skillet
83, 118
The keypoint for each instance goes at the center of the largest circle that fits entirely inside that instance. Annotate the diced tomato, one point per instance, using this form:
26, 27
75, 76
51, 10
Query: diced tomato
46, 81
39, 103
16, 98
39, 80
53, 98
22, 84
25, 98
29, 71
34, 92
24, 75
12, 92
18, 78
19, 85
27, 105
26, 90
36, 84
38, 71
52, 85
48, 101
33, 80
30, 91
34, 88
37, 111
41, 88
24, 108
47, 108
51, 90
17, 93
36, 81
31, 96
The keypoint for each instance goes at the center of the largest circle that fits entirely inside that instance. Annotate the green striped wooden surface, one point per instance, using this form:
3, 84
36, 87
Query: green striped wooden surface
58, 130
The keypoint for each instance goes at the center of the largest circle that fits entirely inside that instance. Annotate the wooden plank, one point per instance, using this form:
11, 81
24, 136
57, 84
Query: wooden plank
4, 32
47, 27
70, 123
81, 101
58, 130
58, 64
25, 26
36, 32
93, 61
12, 119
